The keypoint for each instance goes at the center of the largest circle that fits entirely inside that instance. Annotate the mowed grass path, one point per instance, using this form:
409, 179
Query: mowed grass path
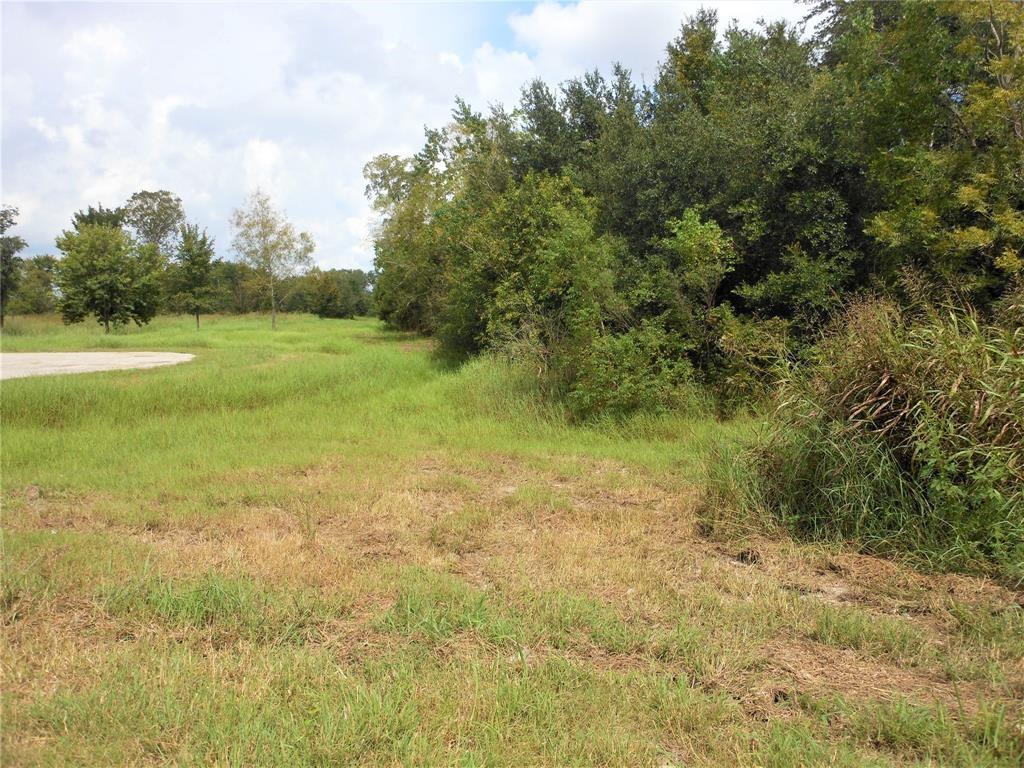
318, 546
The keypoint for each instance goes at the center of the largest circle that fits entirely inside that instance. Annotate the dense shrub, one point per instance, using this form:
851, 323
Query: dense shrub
750, 357
905, 432
618, 375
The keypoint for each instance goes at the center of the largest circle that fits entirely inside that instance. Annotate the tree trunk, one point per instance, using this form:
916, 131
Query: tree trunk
197, 321
106, 325
273, 306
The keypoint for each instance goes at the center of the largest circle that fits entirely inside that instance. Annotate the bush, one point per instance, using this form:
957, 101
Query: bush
618, 375
905, 433
751, 354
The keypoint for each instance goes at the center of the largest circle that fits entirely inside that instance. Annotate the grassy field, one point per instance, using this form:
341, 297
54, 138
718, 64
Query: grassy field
318, 546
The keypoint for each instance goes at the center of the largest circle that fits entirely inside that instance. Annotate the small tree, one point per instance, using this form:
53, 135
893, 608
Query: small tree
326, 298
267, 242
191, 275
34, 293
108, 274
156, 218
10, 264
701, 254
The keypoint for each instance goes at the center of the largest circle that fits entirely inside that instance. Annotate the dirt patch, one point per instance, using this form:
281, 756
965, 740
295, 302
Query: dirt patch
806, 667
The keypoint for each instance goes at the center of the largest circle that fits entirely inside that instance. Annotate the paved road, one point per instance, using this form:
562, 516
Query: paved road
15, 365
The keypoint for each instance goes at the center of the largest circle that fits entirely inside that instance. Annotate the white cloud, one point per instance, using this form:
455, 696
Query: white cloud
40, 124
499, 75
102, 44
262, 165
211, 100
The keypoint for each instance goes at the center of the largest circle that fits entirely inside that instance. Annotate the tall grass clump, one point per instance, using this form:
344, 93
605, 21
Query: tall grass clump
904, 431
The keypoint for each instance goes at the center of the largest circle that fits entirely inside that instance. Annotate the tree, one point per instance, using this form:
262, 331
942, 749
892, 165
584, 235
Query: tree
339, 292
156, 217
546, 144
10, 264
104, 217
933, 100
191, 274
820, 168
267, 242
34, 293
234, 287
106, 273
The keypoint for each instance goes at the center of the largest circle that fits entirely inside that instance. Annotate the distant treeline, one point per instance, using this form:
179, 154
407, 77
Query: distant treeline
235, 290
128, 263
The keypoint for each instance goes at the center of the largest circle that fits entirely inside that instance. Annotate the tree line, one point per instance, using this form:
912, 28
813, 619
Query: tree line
629, 238
124, 264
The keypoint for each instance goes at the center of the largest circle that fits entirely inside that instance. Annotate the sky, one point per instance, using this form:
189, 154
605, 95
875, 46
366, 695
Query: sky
212, 100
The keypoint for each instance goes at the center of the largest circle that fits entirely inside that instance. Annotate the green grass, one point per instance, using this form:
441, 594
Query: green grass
253, 399
321, 546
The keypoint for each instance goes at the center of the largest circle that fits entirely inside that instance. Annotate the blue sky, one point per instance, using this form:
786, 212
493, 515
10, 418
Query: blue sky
211, 100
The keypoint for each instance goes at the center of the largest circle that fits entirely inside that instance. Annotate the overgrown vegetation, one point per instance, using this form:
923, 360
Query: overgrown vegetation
903, 431
339, 547
719, 234
631, 240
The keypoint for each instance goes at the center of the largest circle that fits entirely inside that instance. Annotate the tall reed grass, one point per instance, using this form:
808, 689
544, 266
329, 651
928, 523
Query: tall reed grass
904, 432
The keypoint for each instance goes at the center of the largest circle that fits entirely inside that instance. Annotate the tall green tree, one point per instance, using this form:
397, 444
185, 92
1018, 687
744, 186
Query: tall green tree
267, 242
155, 217
107, 274
546, 139
10, 263
192, 271
408, 255
930, 98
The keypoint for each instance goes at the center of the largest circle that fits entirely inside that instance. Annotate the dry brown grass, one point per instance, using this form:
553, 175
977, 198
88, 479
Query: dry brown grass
612, 533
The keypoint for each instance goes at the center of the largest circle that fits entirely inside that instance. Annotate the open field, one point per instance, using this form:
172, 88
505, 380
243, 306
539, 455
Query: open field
318, 546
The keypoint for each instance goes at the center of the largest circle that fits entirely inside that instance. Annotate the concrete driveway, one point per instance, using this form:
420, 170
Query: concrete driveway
16, 365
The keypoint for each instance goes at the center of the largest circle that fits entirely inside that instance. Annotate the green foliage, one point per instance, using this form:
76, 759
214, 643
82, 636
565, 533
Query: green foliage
738, 202
106, 273
10, 263
625, 373
533, 270
33, 293
156, 218
99, 216
190, 274
339, 293
931, 97
236, 287
700, 254
905, 433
